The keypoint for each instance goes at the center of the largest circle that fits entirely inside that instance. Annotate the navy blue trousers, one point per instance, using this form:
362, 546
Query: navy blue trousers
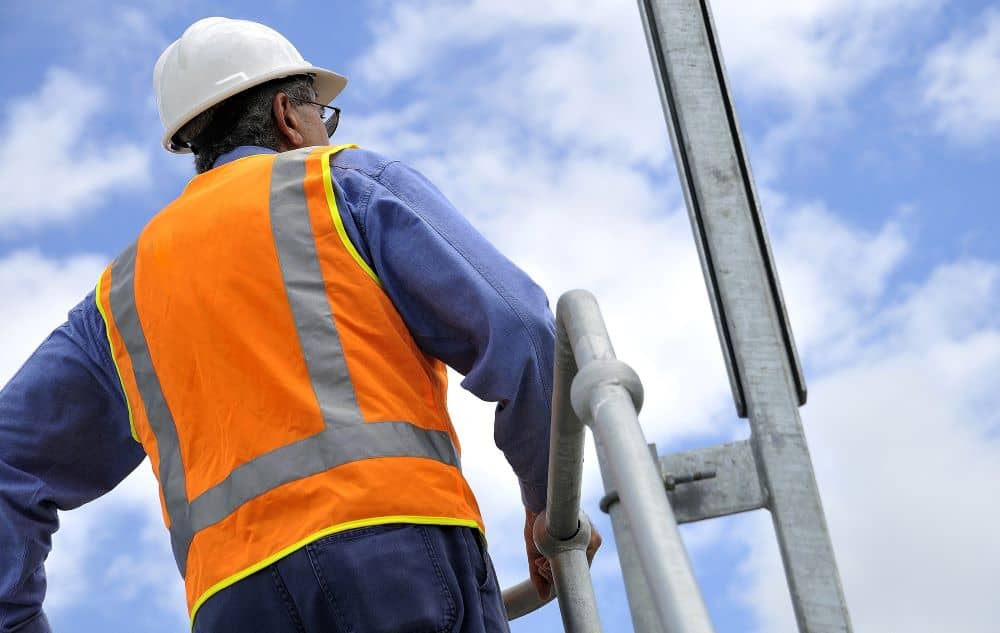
381, 579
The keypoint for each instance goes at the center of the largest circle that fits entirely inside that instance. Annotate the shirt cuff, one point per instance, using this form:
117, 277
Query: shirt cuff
533, 495
37, 624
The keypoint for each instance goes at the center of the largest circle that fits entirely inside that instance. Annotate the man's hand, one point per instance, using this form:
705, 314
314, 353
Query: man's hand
539, 569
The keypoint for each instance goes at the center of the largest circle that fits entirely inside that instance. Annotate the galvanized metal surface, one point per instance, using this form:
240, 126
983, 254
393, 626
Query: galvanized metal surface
735, 487
565, 446
708, 149
562, 532
577, 602
522, 599
606, 395
662, 556
570, 574
756, 338
640, 600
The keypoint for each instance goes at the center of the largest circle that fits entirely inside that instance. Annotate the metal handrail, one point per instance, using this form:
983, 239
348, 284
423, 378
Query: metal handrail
592, 388
522, 599
562, 531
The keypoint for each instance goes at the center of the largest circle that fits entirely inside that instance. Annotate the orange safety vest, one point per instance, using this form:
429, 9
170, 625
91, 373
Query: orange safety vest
274, 386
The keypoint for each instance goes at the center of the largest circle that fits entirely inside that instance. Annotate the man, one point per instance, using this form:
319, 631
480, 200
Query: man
274, 341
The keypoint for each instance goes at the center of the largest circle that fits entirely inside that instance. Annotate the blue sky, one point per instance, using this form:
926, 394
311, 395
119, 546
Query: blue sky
872, 129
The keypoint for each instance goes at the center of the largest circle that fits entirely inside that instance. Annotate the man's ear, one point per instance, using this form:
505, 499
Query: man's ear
289, 122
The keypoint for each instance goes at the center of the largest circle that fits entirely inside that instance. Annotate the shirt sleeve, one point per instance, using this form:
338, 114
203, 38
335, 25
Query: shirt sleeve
64, 441
468, 305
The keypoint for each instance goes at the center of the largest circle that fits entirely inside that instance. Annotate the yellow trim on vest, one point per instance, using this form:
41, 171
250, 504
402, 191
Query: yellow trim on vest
111, 347
342, 527
338, 222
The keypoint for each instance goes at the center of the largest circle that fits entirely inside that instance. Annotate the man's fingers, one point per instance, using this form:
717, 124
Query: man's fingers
542, 584
544, 569
542, 581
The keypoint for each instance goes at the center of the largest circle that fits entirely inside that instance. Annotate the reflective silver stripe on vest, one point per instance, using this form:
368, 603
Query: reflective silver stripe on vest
315, 454
306, 290
346, 437
171, 475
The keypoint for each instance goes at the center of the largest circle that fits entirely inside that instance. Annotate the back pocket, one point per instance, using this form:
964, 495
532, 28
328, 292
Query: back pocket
478, 560
384, 579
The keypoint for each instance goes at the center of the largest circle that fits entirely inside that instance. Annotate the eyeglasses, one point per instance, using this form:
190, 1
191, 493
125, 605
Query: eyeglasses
329, 114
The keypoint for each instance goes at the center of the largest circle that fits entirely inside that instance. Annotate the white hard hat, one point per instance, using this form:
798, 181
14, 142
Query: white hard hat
216, 58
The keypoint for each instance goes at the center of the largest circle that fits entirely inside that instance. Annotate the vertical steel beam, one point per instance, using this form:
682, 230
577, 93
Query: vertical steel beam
743, 287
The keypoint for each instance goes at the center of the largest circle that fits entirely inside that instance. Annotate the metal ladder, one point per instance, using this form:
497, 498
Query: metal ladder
771, 470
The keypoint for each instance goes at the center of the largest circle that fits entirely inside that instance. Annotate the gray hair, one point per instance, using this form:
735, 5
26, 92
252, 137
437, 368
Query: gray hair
243, 119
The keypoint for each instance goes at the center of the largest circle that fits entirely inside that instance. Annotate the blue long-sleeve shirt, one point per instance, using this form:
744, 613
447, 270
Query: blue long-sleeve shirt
64, 429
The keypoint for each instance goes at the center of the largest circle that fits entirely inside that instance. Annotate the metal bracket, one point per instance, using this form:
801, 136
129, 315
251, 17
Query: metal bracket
670, 482
736, 488
717, 481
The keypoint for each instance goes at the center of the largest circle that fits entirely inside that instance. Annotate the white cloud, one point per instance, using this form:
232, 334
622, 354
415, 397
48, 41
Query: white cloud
962, 77
804, 52
905, 446
111, 29
814, 52
834, 278
427, 33
580, 75
38, 292
52, 167
572, 70
802, 68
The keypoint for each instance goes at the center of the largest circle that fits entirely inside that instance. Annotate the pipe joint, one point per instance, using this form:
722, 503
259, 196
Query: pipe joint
551, 546
598, 373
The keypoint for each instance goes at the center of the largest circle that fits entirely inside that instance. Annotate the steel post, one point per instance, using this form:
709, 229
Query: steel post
757, 343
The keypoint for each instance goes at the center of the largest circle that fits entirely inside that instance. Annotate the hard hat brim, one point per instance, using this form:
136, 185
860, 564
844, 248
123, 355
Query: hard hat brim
327, 83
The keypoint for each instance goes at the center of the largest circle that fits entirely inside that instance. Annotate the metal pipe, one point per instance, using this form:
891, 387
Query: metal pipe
590, 384
571, 575
580, 324
565, 447
607, 394
578, 604
640, 601
559, 532
522, 599
664, 560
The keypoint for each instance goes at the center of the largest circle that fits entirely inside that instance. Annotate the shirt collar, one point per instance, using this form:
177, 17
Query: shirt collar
241, 152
